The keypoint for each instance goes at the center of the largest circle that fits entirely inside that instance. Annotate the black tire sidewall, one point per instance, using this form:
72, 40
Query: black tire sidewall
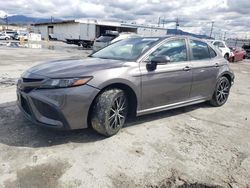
101, 111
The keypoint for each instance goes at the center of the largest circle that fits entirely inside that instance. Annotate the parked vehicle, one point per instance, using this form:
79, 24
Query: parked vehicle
3, 36
24, 36
247, 49
238, 54
103, 40
130, 77
107, 39
223, 48
79, 42
11, 34
52, 37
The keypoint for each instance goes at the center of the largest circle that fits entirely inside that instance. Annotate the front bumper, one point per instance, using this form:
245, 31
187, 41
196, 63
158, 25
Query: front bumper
65, 108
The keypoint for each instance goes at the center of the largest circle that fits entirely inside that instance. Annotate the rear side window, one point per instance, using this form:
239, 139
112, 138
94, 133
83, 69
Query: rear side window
212, 52
199, 50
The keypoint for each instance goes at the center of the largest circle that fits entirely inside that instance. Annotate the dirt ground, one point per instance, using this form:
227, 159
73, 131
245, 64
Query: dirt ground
195, 146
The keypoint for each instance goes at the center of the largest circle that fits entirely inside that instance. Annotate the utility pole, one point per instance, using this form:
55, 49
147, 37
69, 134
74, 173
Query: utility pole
159, 21
225, 35
212, 26
6, 21
236, 42
176, 26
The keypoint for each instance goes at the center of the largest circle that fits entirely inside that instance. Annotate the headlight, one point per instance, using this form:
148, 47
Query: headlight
64, 82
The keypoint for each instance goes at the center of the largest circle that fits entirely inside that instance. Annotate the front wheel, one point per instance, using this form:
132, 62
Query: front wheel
109, 112
221, 92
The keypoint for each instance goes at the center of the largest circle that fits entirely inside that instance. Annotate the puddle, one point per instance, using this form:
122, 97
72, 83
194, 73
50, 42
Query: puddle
14, 44
41, 45
6, 82
45, 175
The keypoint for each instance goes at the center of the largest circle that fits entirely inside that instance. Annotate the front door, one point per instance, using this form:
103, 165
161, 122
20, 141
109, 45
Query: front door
169, 83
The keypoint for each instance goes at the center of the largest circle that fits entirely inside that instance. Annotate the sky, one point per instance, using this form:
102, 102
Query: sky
230, 17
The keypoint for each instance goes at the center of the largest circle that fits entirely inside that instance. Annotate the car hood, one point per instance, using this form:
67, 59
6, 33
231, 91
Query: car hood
73, 67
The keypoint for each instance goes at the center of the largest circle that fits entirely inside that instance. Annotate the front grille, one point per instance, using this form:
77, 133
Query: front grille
46, 110
25, 105
27, 89
32, 80
28, 84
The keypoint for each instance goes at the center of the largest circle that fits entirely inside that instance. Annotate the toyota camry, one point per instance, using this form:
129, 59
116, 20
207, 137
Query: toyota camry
128, 78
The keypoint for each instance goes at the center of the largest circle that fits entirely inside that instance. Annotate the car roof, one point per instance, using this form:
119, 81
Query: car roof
177, 36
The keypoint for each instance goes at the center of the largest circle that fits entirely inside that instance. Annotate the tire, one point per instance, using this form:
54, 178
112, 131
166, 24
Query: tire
109, 112
6, 38
226, 56
221, 92
84, 45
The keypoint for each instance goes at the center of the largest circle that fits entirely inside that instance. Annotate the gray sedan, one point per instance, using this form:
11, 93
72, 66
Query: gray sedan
128, 78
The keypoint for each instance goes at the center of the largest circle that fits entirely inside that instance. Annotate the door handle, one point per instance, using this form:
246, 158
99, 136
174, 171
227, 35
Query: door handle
216, 65
187, 68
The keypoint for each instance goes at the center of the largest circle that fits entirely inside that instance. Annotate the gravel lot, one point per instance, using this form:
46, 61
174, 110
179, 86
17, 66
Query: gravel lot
193, 146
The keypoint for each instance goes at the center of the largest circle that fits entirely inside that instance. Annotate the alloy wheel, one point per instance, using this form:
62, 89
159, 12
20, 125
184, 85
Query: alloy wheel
222, 91
118, 112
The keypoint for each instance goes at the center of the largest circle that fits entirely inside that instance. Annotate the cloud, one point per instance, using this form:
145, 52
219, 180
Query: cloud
231, 16
2, 13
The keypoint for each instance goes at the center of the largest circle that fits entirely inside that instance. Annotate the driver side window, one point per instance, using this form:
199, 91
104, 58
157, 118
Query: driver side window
176, 50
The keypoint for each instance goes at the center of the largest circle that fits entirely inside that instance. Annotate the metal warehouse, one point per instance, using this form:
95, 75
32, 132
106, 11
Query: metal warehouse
91, 29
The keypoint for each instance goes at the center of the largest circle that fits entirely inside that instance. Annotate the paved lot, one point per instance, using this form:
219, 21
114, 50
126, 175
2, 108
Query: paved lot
191, 146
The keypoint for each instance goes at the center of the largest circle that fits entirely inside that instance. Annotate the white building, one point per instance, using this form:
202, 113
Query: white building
85, 29
148, 30
13, 28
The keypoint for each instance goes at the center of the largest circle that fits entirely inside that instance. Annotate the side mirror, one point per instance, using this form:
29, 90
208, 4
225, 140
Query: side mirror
161, 59
157, 60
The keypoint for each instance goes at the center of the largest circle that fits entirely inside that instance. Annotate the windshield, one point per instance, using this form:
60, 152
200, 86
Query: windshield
128, 49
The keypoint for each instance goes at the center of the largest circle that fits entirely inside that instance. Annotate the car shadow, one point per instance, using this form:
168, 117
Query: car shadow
15, 130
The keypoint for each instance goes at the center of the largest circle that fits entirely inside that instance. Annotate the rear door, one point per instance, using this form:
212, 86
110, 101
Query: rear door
205, 69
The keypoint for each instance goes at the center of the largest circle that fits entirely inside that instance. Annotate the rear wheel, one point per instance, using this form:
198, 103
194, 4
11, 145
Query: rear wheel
109, 112
221, 92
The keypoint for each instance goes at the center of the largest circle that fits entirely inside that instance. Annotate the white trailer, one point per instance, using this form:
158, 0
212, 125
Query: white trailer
63, 30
